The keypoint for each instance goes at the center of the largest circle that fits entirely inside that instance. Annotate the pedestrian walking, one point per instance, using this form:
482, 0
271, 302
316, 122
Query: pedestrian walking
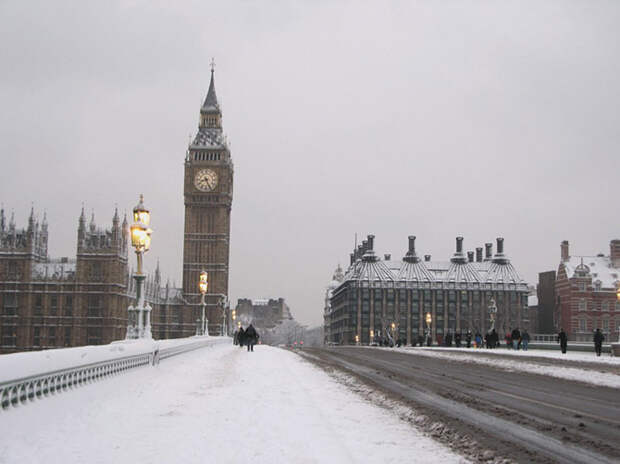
468, 338
525, 339
241, 337
236, 337
599, 338
457, 339
515, 336
479, 340
494, 339
563, 340
251, 337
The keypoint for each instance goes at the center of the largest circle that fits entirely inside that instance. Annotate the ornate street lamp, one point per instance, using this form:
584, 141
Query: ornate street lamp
492, 314
139, 324
224, 305
429, 319
204, 286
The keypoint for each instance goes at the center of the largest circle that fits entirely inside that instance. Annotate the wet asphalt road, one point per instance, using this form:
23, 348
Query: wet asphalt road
543, 419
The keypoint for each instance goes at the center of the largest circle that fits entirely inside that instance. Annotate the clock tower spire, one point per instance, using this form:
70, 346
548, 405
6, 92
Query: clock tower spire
208, 190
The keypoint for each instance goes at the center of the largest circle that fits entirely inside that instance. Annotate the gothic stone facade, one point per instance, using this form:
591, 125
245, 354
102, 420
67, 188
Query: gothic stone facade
50, 303
375, 295
208, 191
585, 289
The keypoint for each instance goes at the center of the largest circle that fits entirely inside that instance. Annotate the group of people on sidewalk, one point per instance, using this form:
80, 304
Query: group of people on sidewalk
248, 337
515, 340
599, 338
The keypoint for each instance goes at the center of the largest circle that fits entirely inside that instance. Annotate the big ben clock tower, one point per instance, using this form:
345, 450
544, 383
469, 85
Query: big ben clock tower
208, 191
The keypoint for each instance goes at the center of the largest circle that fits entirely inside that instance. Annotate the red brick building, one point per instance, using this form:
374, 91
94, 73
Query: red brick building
585, 289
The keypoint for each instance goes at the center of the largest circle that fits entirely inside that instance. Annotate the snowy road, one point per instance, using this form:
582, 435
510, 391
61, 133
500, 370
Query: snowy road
508, 409
218, 404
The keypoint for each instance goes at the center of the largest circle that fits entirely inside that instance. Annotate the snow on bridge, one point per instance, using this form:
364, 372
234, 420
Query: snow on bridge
214, 404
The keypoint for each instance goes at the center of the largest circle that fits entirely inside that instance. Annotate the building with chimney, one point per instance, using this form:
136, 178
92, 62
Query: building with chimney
83, 300
585, 289
386, 298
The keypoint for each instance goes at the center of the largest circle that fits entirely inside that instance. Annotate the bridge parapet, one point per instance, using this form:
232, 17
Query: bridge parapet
29, 376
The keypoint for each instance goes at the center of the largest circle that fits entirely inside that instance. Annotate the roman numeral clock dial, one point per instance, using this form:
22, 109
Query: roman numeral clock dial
206, 180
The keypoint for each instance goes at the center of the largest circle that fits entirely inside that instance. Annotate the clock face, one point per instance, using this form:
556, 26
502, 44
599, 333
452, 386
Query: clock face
206, 180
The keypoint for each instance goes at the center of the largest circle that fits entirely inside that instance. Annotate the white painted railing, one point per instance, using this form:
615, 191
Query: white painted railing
14, 392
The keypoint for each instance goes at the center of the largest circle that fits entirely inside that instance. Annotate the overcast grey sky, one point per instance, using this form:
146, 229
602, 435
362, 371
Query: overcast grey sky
438, 119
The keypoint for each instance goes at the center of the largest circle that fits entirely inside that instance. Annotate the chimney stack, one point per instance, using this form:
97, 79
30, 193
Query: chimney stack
371, 242
479, 254
488, 256
427, 258
387, 257
614, 252
412, 245
352, 255
470, 256
564, 250
459, 244
500, 246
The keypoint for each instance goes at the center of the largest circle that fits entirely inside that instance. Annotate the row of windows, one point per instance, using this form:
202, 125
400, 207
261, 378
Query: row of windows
603, 324
207, 156
583, 286
605, 305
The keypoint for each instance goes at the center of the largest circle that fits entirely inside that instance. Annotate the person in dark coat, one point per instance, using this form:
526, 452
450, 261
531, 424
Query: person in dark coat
525, 339
515, 336
563, 339
241, 337
251, 337
599, 338
449, 339
494, 339
468, 339
457, 339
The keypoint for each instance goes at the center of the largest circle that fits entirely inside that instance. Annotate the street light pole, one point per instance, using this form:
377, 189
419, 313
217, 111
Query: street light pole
203, 285
139, 320
429, 319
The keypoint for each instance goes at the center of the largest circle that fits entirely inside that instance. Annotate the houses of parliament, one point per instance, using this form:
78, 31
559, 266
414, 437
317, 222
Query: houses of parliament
52, 303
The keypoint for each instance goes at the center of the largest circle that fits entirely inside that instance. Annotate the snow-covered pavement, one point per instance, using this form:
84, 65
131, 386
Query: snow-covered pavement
526, 361
219, 404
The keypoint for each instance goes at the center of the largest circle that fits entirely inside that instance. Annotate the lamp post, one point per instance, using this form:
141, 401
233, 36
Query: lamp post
139, 323
204, 286
615, 347
492, 314
224, 304
429, 319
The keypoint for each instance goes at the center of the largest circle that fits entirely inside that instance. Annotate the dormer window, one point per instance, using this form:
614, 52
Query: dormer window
581, 286
597, 286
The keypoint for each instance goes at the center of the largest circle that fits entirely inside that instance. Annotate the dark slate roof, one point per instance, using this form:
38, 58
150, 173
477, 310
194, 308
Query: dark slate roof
209, 137
211, 105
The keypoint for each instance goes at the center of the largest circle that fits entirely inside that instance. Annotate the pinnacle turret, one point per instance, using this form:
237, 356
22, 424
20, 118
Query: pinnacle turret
210, 104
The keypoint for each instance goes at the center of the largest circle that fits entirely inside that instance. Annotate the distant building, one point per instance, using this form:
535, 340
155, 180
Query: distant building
380, 298
262, 313
51, 303
585, 288
545, 295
